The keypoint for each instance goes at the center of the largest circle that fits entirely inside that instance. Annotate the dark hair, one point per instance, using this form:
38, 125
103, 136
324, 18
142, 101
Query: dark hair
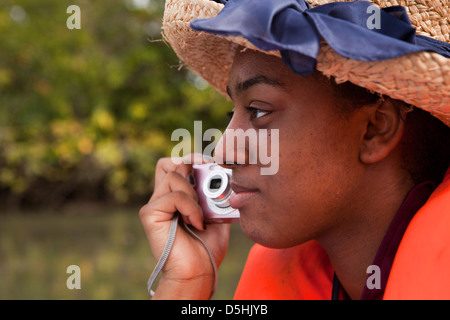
425, 146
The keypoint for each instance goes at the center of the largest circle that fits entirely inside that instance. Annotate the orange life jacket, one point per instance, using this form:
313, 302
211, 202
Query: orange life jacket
421, 268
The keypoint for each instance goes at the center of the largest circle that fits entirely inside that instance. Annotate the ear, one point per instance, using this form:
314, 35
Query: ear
384, 130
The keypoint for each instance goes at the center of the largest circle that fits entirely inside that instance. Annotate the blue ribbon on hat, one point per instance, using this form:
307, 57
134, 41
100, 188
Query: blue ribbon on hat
356, 30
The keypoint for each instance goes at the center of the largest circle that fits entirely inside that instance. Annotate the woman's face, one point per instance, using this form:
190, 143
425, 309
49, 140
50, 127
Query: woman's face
319, 168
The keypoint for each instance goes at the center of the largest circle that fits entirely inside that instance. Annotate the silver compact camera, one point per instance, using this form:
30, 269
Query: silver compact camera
214, 191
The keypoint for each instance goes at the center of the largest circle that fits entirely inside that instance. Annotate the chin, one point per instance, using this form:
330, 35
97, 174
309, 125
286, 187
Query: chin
266, 235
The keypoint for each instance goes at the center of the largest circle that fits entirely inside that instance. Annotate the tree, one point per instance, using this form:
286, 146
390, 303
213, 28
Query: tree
85, 113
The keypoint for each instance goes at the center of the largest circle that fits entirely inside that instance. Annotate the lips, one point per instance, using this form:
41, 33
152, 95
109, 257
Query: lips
241, 196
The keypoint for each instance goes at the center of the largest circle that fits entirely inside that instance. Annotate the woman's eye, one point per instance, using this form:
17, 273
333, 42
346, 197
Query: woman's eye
256, 113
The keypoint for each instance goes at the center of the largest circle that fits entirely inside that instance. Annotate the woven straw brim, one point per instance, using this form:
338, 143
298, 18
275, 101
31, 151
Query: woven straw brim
421, 79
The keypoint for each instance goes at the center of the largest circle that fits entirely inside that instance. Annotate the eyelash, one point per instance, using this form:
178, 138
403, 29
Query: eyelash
251, 111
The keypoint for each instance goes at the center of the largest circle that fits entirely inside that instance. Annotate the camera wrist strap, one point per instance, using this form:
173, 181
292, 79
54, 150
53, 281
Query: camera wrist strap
168, 247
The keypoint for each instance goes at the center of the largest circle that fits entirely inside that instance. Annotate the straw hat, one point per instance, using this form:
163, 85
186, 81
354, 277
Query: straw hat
421, 78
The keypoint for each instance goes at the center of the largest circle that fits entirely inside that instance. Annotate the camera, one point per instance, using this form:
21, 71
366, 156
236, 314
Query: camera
214, 191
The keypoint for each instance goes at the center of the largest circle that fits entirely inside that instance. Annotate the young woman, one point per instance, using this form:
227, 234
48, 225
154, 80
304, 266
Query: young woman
362, 107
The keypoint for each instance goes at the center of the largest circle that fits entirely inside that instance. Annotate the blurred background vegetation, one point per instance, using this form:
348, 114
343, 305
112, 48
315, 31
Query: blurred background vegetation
84, 116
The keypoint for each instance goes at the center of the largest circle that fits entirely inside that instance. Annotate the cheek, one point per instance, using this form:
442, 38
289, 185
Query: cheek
317, 156
303, 198
313, 180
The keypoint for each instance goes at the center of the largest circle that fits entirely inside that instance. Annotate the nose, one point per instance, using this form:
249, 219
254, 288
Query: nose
233, 148
223, 156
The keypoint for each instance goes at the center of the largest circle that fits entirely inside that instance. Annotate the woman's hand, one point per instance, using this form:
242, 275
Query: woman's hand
188, 272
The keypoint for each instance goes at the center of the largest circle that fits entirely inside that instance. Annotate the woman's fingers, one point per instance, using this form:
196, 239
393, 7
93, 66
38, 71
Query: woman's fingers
163, 209
171, 182
183, 165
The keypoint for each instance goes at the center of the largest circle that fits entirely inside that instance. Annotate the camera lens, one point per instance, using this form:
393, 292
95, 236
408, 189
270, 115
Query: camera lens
215, 183
216, 188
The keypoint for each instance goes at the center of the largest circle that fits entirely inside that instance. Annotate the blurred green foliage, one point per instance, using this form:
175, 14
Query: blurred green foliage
85, 114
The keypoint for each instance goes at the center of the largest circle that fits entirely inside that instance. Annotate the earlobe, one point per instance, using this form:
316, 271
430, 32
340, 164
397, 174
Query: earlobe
384, 131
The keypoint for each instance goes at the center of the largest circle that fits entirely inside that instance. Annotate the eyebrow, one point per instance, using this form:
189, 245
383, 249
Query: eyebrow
248, 83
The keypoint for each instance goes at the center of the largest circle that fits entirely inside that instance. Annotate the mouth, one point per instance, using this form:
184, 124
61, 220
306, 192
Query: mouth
242, 195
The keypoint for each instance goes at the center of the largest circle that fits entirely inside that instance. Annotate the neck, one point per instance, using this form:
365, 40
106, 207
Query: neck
353, 244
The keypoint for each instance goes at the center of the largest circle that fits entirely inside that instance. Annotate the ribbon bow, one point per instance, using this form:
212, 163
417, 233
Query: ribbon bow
357, 30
